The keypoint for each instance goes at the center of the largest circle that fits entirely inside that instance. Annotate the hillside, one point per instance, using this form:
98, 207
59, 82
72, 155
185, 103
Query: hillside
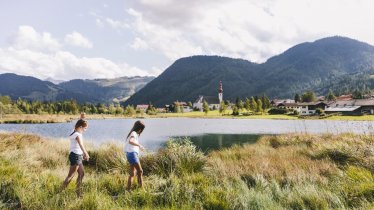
118, 89
94, 91
321, 65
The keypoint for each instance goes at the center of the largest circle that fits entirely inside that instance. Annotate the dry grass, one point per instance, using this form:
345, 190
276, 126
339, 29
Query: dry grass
292, 171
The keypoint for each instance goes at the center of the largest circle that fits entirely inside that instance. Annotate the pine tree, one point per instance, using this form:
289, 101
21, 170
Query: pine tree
222, 108
239, 103
253, 104
205, 107
308, 96
247, 104
259, 106
331, 96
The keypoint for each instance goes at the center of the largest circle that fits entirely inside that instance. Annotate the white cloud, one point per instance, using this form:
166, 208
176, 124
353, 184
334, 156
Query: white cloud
249, 29
116, 24
31, 59
78, 40
27, 38
101, 21
139, 44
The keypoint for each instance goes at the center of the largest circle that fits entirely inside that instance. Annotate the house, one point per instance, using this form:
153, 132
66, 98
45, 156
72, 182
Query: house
289, 106
213, 101
344, 97
309, 108
161, 110
276, 102
142, 107
183, 105
352, 107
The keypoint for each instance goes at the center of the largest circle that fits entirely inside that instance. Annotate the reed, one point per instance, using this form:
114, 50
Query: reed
291, 171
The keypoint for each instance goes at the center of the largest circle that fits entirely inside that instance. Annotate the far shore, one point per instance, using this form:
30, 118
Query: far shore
61, 118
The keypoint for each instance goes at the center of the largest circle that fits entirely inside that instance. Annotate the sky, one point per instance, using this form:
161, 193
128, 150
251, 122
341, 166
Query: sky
87, 39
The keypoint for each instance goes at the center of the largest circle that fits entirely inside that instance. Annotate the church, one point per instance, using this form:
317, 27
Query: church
213, 101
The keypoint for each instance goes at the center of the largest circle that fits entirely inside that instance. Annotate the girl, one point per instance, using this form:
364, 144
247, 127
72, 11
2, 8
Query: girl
132, 147
77, 154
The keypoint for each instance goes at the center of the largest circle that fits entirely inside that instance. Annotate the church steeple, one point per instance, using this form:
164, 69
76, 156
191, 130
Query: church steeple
220, 92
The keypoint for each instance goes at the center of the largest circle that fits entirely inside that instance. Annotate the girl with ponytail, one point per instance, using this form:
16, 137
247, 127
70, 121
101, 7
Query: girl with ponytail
78, 153
131, 150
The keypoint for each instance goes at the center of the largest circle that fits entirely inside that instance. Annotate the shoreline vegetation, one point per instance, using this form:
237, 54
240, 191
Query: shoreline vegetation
61, 118
290, 171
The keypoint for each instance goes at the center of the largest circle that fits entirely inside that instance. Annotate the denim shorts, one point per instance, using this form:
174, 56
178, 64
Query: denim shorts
132, 157
75, 159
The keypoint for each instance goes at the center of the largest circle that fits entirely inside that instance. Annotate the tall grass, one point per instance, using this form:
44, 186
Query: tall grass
292, 171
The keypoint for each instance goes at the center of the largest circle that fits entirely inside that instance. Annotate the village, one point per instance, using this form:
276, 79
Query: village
342, 105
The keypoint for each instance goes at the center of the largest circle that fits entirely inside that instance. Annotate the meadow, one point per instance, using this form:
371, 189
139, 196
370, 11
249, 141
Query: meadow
290, 171
59, 118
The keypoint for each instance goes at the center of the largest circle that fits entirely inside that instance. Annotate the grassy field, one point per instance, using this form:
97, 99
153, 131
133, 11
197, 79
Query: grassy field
51, 118
292, 171
216, 114
46, 118
353, 118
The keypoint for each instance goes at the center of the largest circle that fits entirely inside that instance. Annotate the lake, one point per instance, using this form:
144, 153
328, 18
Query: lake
205, 133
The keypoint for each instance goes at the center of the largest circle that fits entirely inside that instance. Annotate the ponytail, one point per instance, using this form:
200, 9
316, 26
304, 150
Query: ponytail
138, 126
80, 123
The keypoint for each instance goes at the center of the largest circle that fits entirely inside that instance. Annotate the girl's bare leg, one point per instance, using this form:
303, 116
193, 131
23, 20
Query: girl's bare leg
70, 176
79, 180
139, 174
131, 176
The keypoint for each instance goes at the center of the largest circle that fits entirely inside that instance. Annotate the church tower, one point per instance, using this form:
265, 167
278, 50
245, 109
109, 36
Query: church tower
220, 92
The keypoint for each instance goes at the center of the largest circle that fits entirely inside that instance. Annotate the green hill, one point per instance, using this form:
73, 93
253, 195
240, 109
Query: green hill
318, 66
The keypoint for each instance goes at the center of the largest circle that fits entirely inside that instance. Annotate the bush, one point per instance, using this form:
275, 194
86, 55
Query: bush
108, 158
277, 111
319, 111
178, 157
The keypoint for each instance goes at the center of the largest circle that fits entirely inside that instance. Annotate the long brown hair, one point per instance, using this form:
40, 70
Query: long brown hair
138, 126
80, 123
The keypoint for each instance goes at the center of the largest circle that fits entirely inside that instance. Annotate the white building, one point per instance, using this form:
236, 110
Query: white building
289, 106
184, 106
309, 108
213, 101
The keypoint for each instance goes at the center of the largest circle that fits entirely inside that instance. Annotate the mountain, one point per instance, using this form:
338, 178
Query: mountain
190, 77
118, 89
54, 81
31, 88
336, 63
94, 91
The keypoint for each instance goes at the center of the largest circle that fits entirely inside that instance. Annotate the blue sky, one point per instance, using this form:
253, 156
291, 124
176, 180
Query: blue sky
106, 39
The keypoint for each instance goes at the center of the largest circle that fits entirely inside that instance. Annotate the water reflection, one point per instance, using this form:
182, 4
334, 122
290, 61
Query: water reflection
209, 142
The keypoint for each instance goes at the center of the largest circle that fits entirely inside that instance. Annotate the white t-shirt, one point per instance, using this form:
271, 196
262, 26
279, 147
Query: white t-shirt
74, 146
129, 147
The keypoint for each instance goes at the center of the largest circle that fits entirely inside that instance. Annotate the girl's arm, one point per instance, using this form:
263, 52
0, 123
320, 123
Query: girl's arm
85, 154
132, 142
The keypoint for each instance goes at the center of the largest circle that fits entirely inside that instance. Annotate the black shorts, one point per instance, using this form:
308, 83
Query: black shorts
75, 159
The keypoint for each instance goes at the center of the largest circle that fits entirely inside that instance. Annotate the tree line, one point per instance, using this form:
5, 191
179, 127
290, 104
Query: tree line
19, 106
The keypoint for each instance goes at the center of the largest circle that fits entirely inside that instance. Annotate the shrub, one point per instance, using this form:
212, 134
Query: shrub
277, 111
179, 157
319, 111
108, 158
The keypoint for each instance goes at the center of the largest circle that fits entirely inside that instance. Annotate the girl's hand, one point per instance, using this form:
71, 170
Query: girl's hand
141, 147
86, 156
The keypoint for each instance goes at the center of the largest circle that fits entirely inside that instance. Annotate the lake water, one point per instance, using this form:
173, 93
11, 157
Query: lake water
205, 133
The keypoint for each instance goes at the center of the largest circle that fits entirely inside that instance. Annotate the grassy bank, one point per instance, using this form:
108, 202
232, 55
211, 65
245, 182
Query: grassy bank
290, 171
46, 118
52, 118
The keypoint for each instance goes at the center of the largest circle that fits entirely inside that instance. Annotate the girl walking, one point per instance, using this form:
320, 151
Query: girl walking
77, 154
131, 149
